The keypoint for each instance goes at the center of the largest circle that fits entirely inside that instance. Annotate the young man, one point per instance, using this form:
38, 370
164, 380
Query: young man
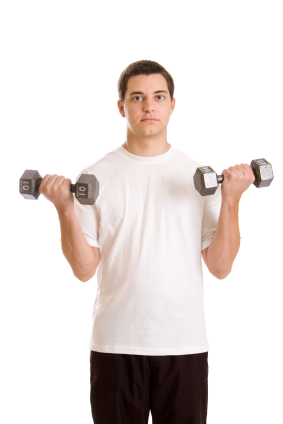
145, 236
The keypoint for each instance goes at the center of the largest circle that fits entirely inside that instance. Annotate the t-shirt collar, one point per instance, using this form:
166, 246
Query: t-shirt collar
146, 159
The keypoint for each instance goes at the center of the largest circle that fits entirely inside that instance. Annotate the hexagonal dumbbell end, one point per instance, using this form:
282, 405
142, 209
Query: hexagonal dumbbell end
205, 180
29, 184
263, 172
87, 189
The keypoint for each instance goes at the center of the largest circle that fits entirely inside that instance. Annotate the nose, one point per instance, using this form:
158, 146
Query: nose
148, 106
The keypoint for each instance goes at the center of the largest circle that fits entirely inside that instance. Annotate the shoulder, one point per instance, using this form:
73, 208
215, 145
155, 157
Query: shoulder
183, 159
102, 166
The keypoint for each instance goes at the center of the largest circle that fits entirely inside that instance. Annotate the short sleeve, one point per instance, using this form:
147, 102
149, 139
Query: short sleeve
89, 221
211, 211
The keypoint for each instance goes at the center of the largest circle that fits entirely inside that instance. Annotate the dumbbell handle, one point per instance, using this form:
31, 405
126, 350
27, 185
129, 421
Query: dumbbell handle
220, 178
72, 186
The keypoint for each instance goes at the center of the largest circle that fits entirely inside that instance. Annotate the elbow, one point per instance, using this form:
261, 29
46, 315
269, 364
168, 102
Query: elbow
221, 275
84, 277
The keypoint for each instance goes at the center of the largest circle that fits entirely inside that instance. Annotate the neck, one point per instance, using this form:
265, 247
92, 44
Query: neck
146, 147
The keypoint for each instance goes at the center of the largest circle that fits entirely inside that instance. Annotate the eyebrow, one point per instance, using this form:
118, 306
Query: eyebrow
140, 92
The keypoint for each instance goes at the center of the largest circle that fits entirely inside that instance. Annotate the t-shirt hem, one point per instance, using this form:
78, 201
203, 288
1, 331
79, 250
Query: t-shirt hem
151, 352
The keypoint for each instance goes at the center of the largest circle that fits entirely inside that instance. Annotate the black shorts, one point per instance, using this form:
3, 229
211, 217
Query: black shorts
125, 388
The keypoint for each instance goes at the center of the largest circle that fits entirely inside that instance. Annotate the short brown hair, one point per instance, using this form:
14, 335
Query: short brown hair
143, 67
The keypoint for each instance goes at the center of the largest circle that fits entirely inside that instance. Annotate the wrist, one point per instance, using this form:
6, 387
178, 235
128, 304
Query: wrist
230, 203
64, 211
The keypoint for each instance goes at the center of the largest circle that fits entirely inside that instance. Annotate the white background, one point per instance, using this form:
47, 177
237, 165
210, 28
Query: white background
60, 63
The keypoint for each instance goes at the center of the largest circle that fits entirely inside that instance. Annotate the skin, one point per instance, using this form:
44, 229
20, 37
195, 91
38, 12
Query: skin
149, 139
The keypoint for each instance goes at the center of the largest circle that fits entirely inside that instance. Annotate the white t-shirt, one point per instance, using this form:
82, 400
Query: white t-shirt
150, 225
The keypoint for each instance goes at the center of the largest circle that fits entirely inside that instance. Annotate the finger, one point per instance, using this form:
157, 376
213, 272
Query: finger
226, 173
44, 180
248, 169
240, 168
63, 180
47, 182
233, 168
246, 166
67, 182
57, 184
60, 180
247, 172
52, 179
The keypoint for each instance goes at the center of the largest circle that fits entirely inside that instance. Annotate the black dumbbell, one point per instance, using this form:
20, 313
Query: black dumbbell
86, 189
206, 181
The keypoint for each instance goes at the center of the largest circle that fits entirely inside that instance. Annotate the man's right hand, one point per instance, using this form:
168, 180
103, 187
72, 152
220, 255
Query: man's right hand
57, 190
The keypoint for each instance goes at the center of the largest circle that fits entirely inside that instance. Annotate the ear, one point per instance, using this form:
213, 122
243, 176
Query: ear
173, 103
121, 108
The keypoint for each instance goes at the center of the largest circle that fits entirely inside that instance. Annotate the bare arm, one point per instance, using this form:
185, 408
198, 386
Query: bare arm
223, 249
82, 257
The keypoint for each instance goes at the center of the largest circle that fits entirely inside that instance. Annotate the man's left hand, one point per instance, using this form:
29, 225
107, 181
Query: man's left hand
237, 180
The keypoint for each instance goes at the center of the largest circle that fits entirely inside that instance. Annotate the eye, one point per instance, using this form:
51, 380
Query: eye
139, 97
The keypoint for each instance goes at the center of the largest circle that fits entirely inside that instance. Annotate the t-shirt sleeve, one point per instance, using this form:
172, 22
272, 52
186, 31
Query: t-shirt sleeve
211, 211
89, 221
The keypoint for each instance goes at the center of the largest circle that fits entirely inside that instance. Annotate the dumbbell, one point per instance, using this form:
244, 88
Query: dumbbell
86, 189
206, 181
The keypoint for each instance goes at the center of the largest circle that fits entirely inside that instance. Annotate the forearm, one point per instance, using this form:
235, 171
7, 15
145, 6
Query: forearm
226, 242
75, 248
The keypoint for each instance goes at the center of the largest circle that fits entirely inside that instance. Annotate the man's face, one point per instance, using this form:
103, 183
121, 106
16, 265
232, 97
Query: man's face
147, 105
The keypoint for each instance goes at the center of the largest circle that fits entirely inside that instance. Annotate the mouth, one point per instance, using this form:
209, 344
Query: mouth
149, 120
